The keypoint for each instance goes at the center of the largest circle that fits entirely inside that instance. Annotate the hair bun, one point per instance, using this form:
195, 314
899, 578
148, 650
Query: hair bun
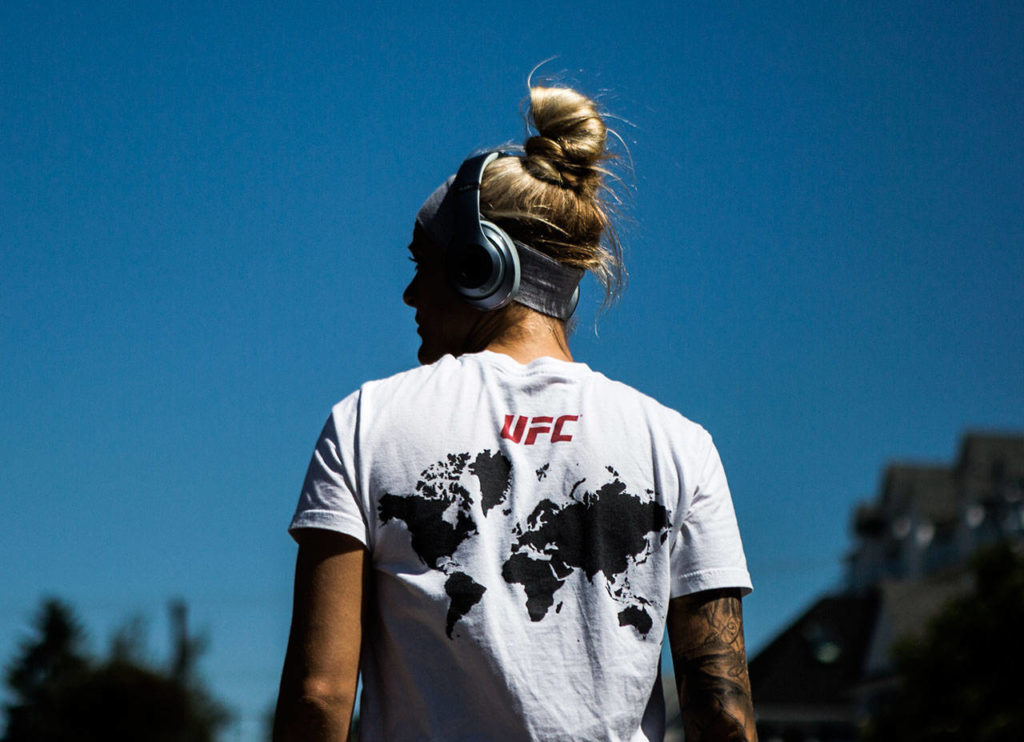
555, 198
570, 138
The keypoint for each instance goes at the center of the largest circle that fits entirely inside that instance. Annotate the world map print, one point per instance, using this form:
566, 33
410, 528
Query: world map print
605, 530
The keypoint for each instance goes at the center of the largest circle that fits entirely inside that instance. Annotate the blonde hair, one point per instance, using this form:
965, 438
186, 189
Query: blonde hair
555, 198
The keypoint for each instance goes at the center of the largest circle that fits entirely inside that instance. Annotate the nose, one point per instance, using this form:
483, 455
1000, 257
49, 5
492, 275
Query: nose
409, 295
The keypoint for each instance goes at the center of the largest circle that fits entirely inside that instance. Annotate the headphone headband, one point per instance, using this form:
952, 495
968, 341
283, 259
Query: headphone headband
466, 195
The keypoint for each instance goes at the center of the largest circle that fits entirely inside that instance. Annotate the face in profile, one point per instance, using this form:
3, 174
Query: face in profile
443, 322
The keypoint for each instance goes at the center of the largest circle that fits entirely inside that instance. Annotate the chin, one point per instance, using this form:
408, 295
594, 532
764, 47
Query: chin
426, 355
434, 348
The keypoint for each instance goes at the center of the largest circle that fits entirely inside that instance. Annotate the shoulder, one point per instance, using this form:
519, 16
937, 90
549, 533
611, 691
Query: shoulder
414, 377
415, 381
655, 413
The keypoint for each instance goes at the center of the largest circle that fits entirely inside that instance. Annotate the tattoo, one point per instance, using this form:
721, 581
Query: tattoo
708, 651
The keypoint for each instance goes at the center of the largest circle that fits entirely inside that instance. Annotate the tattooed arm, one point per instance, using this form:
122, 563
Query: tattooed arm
705, 630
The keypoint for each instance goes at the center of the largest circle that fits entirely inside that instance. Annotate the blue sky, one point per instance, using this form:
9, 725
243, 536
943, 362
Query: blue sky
203, 216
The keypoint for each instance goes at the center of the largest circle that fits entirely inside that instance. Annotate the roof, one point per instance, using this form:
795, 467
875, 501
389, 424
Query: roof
819, 658
928, 492
984, 449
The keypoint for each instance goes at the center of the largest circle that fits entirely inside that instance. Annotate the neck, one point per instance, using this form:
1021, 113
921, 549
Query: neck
533, 336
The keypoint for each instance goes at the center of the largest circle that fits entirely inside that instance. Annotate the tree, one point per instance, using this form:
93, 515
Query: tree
62, 694
40, 676
960, 681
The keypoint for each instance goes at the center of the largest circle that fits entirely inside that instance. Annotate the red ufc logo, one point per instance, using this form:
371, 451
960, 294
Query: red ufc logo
516, 426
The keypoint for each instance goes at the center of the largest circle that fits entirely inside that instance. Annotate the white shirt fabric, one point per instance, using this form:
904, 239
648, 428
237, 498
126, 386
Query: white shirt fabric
527, 526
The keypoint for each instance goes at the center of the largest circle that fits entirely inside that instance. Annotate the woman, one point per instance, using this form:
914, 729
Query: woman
497, 538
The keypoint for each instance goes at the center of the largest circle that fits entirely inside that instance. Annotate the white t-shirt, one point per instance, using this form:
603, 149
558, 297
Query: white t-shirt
527, 526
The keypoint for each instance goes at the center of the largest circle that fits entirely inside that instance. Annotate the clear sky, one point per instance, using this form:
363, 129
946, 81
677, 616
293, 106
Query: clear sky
203, 220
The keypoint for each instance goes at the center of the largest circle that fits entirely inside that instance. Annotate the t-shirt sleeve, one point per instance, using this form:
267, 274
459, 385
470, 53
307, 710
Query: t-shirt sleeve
707, 553
330, 496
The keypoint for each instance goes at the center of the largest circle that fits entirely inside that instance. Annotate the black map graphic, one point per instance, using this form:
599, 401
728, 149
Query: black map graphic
605, 531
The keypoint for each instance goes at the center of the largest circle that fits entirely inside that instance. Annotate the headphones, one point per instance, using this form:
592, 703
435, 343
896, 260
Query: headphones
485, 267
482, 262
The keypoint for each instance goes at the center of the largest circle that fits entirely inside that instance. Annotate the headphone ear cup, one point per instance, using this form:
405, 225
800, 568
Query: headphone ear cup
485, 276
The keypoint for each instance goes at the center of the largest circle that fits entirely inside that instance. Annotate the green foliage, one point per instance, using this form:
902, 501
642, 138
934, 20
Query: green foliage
61, 694
961, 680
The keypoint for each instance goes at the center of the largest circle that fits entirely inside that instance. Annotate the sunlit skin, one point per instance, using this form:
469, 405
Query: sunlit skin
705, 630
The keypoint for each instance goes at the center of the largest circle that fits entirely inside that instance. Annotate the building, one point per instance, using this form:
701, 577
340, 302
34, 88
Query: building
821, 676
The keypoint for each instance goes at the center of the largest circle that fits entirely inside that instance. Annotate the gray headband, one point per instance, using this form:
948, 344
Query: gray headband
545, 285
